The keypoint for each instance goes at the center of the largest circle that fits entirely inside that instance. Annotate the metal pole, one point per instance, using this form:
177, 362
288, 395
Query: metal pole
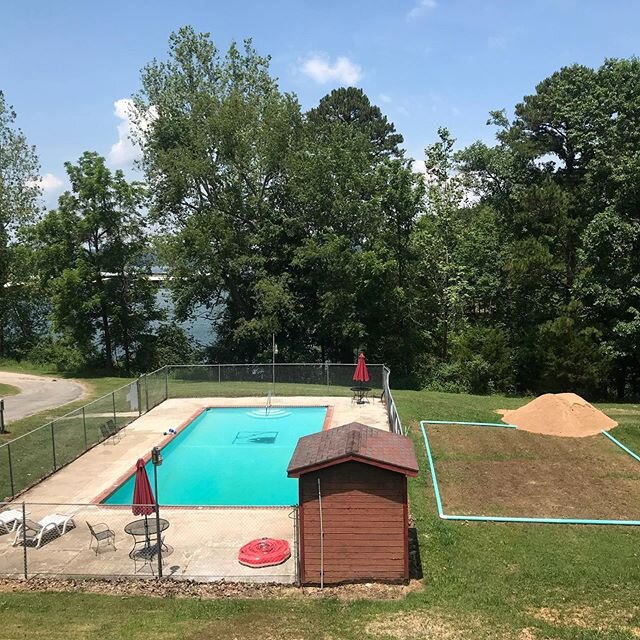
24, 540
139, 397
273, 363
84, 428
158, 538
219, 379
146, 393
53, 447
13, 489
2, 415
166, 382
321, 537
115, 415
326, 366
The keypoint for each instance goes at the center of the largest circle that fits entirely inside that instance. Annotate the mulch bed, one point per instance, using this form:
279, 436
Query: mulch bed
206, 591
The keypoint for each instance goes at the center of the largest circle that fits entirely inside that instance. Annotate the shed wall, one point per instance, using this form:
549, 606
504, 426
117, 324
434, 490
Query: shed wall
364, 514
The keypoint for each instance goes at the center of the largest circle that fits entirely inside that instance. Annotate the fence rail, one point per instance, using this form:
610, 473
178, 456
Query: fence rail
31, 457
392, 412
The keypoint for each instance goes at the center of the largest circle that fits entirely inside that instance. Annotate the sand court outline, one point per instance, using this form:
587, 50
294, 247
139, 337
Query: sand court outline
524, 519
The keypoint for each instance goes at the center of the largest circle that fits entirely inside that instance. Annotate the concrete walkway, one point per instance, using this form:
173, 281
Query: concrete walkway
37, 393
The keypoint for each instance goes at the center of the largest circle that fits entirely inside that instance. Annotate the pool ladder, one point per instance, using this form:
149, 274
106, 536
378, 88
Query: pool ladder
268, 404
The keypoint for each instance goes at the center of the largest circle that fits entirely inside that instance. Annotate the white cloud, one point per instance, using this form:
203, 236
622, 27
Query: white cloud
421, 8
123, 152
51, 187
50, 183
418, 166
320, 69
383, 97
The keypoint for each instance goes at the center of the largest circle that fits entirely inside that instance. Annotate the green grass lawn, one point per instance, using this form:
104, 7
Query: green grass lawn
481, 580
7, 390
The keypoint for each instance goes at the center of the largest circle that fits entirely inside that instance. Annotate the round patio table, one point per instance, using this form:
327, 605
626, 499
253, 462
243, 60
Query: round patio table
360, 394
145, 536
146, 528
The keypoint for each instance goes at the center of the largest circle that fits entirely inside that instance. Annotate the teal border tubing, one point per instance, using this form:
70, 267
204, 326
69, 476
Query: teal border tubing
477, 518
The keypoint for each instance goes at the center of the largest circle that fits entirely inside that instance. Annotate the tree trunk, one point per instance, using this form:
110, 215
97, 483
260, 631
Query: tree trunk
104, 318
621, 380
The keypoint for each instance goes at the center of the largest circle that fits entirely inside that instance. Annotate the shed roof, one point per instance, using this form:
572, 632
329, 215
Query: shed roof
353, 441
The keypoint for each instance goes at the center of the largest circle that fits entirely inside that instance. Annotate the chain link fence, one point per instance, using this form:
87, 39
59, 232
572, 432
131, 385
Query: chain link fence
231, 380
392, 411
29, 458
95, 540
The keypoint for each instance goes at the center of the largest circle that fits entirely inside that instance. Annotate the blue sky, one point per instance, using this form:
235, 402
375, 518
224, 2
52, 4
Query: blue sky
65, 64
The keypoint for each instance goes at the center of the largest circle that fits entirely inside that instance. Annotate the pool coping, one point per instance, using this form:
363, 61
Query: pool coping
122, 478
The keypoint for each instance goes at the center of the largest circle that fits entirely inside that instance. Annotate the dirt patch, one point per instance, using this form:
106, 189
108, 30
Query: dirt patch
590, 618
559, 414
515, 473
210, 591
433, 625
424, 625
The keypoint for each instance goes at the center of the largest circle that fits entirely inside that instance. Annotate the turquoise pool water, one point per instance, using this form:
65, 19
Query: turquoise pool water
231, 457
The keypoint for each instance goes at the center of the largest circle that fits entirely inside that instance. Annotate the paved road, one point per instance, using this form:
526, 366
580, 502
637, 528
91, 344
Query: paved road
37, 393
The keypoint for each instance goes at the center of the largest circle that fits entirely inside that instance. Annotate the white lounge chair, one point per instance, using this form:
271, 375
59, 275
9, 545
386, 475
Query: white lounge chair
35, 531
11, 517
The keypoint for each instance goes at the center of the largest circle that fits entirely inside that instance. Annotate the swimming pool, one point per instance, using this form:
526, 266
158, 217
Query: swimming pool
231, 456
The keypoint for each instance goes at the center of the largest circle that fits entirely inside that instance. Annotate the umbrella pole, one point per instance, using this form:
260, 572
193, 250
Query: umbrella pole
157, 507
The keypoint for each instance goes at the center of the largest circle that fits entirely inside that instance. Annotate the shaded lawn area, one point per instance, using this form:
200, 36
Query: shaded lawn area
481, 580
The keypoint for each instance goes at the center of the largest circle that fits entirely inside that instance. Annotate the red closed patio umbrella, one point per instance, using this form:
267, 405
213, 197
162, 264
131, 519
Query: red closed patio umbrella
144, 503
361, 374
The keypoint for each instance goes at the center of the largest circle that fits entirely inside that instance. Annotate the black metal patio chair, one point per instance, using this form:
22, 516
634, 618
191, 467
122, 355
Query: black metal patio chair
100, 532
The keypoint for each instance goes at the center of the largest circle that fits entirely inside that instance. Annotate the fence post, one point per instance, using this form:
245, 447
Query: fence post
84, 428
113, 402
296, 542
2, 415
24, 540
146, 393
53, 447
139, 393
13, 489
219, 378
326, 366
166, 382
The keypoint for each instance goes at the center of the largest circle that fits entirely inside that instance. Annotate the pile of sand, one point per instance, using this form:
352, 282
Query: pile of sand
559, 414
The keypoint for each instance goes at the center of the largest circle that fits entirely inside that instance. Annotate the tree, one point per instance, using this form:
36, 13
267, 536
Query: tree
609, 289
215, 132
19, 193
352, 107
93, 255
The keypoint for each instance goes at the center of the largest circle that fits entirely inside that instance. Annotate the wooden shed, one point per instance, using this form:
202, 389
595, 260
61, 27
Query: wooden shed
353, 504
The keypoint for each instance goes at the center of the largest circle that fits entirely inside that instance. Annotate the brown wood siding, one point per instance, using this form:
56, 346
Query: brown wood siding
364, 520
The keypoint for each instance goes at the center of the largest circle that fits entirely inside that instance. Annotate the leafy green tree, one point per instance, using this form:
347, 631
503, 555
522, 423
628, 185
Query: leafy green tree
215, 132
19, 191
93, 258
609, 289
351, 106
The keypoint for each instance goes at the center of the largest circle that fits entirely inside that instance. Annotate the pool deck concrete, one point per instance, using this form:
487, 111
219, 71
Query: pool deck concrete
204, 541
